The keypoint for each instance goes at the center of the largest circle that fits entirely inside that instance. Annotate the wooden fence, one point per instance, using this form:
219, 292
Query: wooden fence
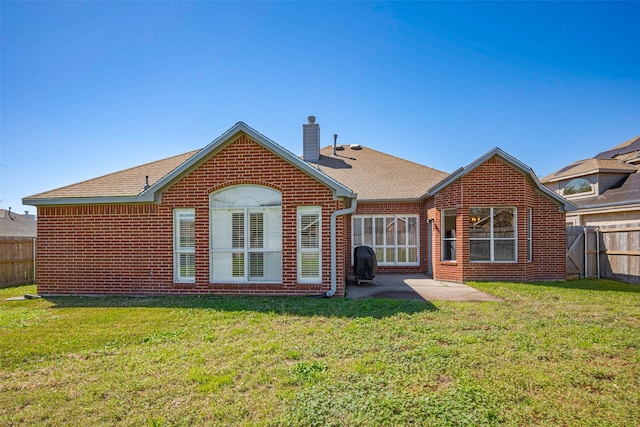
17, 261
607, 252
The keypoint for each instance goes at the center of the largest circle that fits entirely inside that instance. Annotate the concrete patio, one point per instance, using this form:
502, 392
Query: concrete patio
415, 287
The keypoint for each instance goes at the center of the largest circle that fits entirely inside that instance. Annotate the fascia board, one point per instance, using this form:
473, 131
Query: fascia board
407, 200
82, 201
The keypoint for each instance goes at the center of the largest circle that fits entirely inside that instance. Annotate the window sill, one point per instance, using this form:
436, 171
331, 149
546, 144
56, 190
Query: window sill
493, 262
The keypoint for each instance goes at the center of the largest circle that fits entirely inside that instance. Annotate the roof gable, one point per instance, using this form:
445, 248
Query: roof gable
128, 186
511, 161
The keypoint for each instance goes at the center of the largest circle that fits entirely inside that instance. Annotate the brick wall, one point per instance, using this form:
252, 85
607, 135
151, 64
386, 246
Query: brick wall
128, 249
392, 208
492, 184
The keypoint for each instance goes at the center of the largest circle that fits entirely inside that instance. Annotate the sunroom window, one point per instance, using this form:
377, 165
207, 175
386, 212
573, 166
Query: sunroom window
449, 239
246, 235
492, 234
394, 238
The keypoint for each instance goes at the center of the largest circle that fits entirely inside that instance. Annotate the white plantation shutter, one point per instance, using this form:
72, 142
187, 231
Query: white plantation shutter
246, 235
273, 229
309, 244
184, 246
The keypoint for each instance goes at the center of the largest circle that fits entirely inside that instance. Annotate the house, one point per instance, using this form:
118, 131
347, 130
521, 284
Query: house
605, 188
14, 225
243, 215
17, 248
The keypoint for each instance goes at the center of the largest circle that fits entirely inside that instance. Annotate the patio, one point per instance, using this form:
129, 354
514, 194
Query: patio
415, 287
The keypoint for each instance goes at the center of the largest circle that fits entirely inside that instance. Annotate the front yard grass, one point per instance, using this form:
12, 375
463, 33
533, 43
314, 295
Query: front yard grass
549, 354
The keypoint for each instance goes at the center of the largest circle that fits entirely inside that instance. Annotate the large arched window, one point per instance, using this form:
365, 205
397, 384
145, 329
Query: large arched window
578, 186
246, 235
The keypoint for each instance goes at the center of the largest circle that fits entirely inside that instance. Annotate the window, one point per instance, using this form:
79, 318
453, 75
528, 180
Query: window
184, 246
530, 235
577, 186
492, 234
246, 235
449, 235
394, 238
309, 245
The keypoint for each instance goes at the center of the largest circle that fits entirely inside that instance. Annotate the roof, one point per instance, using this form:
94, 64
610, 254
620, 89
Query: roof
626, 151
588, 167
16, 225
129, 186
626, 192
513, 162
125, 183
376, 176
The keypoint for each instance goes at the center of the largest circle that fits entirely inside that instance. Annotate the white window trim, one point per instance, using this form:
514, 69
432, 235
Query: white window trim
309, 210
177, 251
492, 239
395, 246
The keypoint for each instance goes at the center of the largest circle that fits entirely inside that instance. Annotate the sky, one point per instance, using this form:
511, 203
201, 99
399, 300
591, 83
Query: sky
93, 87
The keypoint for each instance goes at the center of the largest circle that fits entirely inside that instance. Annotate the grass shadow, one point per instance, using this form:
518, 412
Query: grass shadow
603, 285
295, 306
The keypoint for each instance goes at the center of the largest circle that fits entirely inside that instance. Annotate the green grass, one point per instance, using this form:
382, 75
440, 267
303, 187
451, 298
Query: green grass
549, 354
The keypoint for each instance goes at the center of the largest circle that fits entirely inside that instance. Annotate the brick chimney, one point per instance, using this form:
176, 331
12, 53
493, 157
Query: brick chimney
311, 141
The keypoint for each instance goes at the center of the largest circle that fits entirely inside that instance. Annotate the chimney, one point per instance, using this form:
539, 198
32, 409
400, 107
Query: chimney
311, 141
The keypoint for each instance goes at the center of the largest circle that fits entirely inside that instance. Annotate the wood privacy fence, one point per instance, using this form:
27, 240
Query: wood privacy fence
17, 260
607, 252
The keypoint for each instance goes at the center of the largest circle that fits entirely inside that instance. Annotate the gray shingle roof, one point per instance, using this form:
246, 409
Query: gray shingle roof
374, 175
588, 167
128, 182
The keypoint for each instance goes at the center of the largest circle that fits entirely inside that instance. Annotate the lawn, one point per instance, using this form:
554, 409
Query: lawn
549, 354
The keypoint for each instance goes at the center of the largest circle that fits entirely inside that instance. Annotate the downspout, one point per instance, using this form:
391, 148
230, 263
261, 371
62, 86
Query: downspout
334, 267
598, 250
33, 258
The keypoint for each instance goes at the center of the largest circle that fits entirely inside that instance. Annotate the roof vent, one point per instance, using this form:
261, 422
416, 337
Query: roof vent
355, 147
311, 140
339, 148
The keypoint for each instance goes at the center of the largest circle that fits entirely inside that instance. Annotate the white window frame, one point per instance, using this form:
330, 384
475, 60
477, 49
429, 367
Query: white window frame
178, 251
306, 250
225, 247
492, 239
384, 245
446, 239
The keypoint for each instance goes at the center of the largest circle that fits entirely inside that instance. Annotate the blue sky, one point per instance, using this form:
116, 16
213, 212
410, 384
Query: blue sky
89, 88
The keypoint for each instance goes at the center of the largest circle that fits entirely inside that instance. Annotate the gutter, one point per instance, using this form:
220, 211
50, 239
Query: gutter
334, 267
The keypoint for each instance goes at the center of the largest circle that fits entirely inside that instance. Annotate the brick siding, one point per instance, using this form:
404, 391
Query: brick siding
128, 249
492, 184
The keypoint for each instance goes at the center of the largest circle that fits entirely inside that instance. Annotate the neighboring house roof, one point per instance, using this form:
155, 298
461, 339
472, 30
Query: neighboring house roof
628, 151
376, 176
626, 192
129, 186
588, 167
16, 225
513, 162
623, 159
